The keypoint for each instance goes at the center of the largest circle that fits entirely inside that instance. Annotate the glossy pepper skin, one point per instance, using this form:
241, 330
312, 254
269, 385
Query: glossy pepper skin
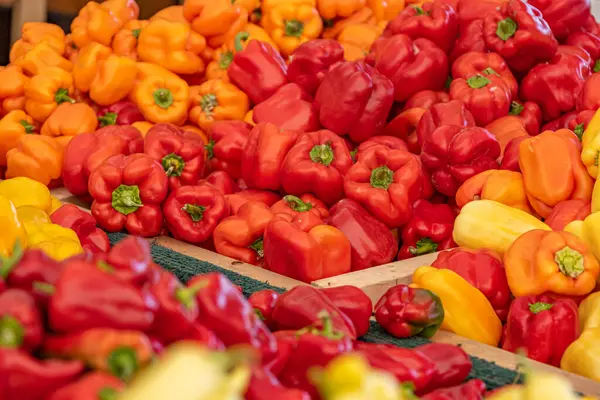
543, 84
45, 91
120, 113
94, 309
517, 32
264, 386
386, 182
454, 154
412, 65
564, 16
92, 386
125, 42
371, 242
588, 98
406, 312
32, 379
236, 200
588, 42
181, 153
264, 302
162, 97
36, 157
193, 212
478, 63
264, 154
354, 303
428, 230
13, 126
543, 326
559, 262
127, 192
353, 99
566, 212
404, 126
580, 357
33, 33
131, 261
450, 113
530, 113
452, 364
311, 61
21, 324
471, 390
100, 22
224, 310
226, 147
93, 239
258, 70
484, 270
70, 120
216, 100
425, 99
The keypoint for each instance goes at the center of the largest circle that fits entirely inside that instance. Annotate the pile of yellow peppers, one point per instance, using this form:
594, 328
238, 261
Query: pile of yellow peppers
25, 209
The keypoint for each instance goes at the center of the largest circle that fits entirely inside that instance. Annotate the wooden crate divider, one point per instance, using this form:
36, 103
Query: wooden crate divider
375, 282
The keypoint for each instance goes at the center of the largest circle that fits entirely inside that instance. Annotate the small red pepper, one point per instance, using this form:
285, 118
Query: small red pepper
21, 325
471, 390
451, 113
308, 210
425, 99
264, 302
530, 113
93, 386
193, 212
471, 37
510, 160
566, 212
121, 113
355, 304
222, 181
237, 200
390, 142
588, 42
131, 260
181, 153
452, 364
93, 239
588, 98
312, 60
201, 334
265, 386
226, 147
487, 64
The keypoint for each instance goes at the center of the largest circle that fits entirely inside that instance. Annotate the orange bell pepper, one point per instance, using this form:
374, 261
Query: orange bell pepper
249, 5
33, 33
71, 49
553, 171
291, 25
249, 118
238, 25
222, 57
100, 22
114, 80
357, 39
330, 9
503, 186
143, 127
44, 92
162, 98
364, 16
147, 70
386, 10
211, 17
69, 120
86, 65
506, 129
42, 56
12, 88
268, 5
37, 157
172, 13
172, 45
216, 100
125, 42
549, 261
13, 126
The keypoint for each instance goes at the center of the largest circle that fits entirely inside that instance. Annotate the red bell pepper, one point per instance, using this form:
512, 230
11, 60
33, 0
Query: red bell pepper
86, 152
290, 108
264, 302
471, 390
588, 42
316, 347
93, 386
311, 61
428, 230
93, 239
425, 99
21, 325
193, 212
201, 334
568, 211
264, 154
307, 210
588, 98
226, 146
265, 386
127, 192
591, 25
224, 310
222, 181
517, 32
454, 154
544, 326
510, 159
181, 153
33, 379
436, 21
355, 304
241, 235
411, 65
317, 164
386, 182
389, 142
120, 113
563, 16
237, 200
404, 126
487, 64
299, 307
555, 86
578, 51
286, 345
578, 121
405, 312
131, 260
471, 37
530, 113
87, 297
451, 363
371, 242
354, 99
451, 113
486, 96
471, 10
258, 70
484, 270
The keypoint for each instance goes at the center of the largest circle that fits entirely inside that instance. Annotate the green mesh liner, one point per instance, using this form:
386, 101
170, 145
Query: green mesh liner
185, 267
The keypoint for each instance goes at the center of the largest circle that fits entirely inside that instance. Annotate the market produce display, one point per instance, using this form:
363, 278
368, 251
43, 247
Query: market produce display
311, 138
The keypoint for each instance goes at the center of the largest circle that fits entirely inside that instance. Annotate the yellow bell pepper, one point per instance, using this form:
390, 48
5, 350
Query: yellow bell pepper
30, 215
582, 357
576, 228
56, 204
56, 241
590, 229
538, 386
589, 312
13, 233
24, 191
590, 141
467, 311
492, 225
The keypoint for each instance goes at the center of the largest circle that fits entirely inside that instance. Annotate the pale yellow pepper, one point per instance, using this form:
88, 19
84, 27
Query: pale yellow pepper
56, 241
576, 228
591, 233
13, 233
24, 191
582, 357
589, 312
538, 386
56, 204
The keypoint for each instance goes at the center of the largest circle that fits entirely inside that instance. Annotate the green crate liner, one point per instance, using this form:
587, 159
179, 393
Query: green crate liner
185, 267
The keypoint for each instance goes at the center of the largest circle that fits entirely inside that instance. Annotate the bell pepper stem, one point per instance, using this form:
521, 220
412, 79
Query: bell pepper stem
539, 307
136, 33
28, 127
240, 38
507, 28
382, 177
108, 393
110, 118
43, 287
163, 98
596, 67
62, 96
423, 246
258, 247
208, 103
186, 295
7, 264
408, 391
490, 71
297, 204
12, 332
173, 164
419, 10
579, 129
259, 314
126, 199
123, 363
327, 329
195, 212
293, 28
225, 59
516, 108
322, 154
106, 267
478, 82
570, 262
210, 149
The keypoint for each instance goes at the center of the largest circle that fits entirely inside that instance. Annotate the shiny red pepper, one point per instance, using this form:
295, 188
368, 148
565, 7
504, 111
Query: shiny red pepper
588, 98
451, 113
471, 390
312, 60
471, 37
563, 16
390, 142
307, 209
121, 113
425, 99
510, 160
451, 363
486, 64
236, 200
201, 334
566, 212
226, 147
93, 239
588, 42
354, 303
131, 261
222, 181
486, 96
93, 386
265, 386
21, 324
264, 302
530, 113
